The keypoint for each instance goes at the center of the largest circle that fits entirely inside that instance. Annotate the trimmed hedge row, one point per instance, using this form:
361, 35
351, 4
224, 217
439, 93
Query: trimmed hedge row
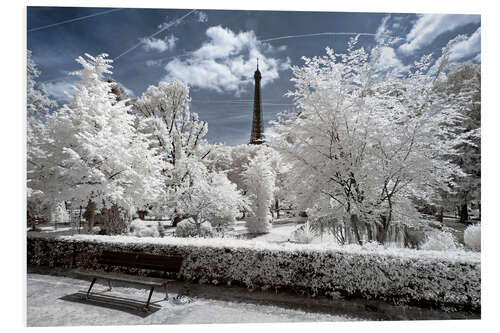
401, 279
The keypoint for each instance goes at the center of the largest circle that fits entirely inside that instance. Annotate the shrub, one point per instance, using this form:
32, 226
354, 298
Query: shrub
450, 280
60, 214
303, 234
472, 237
114, 220
188, 228
439, 241
140, 228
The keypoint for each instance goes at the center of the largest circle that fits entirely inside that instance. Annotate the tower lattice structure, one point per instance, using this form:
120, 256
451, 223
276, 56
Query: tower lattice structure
257, 135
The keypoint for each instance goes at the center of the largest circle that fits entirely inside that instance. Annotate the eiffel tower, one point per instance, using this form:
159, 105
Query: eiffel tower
257, 135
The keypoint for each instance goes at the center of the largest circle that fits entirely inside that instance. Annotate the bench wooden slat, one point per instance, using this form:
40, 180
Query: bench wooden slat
166, 268
142, 280
139, 260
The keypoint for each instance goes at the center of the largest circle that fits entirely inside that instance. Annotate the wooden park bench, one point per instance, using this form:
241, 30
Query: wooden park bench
152, 262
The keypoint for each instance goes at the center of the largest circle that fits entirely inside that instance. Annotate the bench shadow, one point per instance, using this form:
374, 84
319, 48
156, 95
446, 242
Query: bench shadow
113, 302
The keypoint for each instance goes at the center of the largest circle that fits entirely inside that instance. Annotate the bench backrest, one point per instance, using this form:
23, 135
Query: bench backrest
141, 260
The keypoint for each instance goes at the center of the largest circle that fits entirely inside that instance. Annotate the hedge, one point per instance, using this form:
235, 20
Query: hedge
450, 281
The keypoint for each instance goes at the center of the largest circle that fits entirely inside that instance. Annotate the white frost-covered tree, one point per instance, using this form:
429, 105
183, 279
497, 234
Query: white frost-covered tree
462, 89
38, 106
234, 160
260, 183
177, 135
365, 142
163, 112
38, 102
91, 149
205, 196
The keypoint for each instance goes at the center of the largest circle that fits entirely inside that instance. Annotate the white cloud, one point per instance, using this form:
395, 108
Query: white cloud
226, 62
389, 60
153, 63
202, 16
130, 92
160, 45
430, 26
382, 31
59, 89
467, 48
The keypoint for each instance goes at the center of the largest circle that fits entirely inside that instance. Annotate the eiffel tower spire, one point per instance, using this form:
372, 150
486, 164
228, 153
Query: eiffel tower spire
257, 135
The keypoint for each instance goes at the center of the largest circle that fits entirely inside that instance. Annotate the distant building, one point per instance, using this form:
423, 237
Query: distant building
257, 135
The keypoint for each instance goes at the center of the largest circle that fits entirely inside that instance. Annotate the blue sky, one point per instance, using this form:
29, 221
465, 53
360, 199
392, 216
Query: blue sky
215, 51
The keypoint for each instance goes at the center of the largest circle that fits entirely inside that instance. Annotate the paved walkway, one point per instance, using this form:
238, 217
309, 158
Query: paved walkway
52, 302
55, 300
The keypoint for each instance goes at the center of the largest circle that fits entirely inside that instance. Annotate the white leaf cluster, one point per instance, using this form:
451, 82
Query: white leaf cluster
38, 102
90, 148
206, 196
260, 180
365, 142
472, 237
440, 241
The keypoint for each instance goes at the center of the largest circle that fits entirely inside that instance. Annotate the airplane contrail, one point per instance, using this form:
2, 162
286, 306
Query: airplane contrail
316, 34
168, 25
74, 19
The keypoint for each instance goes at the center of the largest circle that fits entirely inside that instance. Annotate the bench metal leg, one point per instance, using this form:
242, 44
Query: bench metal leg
90, 288
166, 292
149, 298
109, 285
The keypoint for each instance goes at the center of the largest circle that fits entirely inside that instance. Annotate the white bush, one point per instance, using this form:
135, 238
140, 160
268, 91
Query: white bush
472, 237
140, 228
439, 241
188, 228
303, 234
60, 214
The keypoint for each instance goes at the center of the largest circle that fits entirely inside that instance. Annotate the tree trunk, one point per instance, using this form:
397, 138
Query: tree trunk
176, 220
382, 229
277, 207
142, 214
464, 213
198, 225
90, 215
354, 224
441, 215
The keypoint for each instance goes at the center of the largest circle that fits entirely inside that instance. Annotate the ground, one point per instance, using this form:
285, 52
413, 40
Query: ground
54, 299
51, 303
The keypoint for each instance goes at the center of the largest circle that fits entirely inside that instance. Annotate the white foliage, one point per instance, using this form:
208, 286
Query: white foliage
38, 102
91, 150
163, 112
140, 228
304, 234
440, 241
189, 228
364, 141
60, 214
260, 180
472, 237
205, 196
